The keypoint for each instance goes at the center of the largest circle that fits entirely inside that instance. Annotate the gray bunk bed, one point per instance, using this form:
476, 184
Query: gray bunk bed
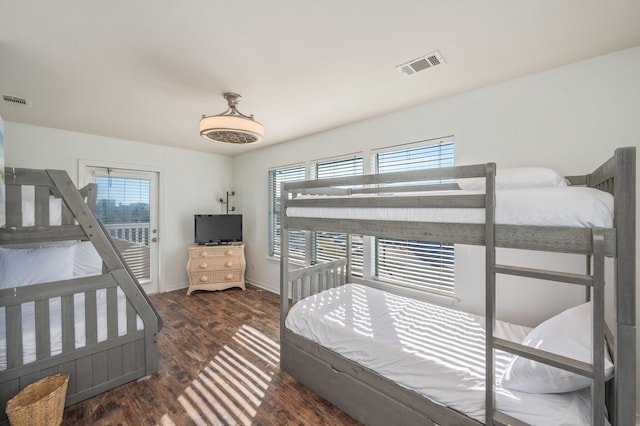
373, 398
109, 313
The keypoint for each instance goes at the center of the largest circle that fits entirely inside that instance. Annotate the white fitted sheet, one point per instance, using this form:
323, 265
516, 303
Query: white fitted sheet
549, 206
28, 325
435, 351
55, 212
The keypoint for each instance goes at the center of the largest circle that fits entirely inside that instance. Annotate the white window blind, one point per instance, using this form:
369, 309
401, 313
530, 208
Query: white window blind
123, 208
327, 246
420, 264
297, 245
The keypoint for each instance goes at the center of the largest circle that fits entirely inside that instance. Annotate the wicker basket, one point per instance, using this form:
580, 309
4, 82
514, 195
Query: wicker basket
40, 403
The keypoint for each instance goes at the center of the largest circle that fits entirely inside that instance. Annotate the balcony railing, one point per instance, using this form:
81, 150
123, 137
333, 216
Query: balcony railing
134, 232
132, 240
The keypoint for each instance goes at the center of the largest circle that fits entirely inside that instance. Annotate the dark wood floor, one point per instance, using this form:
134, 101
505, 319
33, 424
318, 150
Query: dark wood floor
219, 365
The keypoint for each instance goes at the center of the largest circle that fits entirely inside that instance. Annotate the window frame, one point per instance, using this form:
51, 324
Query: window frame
298, 254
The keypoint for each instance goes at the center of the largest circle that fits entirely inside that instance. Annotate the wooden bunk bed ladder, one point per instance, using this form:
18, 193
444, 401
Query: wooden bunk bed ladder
593, 370
114, 263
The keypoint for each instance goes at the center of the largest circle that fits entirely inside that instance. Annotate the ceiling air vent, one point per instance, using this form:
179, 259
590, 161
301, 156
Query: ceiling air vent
16, 100
425, 62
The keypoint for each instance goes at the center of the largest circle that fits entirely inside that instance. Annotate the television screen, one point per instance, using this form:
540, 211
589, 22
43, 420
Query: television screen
217, 228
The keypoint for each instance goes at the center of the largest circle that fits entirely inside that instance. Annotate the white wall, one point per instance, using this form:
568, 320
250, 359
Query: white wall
569, 118
191, 181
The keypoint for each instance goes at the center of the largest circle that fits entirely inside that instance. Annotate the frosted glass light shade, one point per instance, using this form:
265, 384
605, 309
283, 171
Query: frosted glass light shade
231, 126
231, 129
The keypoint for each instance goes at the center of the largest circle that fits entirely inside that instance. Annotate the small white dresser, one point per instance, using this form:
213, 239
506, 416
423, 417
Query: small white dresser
216, 267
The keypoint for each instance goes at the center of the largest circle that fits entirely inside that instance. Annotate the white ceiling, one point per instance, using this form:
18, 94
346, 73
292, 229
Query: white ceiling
146, 70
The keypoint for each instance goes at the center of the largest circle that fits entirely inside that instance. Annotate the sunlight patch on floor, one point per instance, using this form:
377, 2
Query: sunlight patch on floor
166, 421
230, 388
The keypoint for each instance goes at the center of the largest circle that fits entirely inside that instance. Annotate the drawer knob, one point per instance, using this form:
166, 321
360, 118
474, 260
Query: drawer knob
204, 265
228, 252
204, 279
229, 264
228, 276
203, 254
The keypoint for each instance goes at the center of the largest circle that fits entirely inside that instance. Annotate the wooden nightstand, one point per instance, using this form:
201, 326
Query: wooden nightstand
216, 267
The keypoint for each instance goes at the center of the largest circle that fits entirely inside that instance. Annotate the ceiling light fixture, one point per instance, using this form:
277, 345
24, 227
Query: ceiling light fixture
231, 126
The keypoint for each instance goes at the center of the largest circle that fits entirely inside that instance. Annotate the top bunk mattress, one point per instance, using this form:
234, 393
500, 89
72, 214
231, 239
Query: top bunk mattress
544, 206
434, 351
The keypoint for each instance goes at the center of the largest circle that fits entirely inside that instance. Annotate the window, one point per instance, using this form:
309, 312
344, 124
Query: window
296, 237
420, 264
327, 246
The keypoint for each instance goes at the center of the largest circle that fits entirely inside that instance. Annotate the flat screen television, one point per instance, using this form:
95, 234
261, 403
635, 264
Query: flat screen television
217, 228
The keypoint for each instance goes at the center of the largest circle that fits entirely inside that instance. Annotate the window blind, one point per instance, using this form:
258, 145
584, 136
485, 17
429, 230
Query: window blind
419, 264
297, 247
123, 208
416, 158
327, 246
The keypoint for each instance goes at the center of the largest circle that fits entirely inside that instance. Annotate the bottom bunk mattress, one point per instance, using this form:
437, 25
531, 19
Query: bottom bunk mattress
434, 351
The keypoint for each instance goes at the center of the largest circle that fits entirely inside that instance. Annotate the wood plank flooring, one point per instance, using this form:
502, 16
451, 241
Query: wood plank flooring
219, 365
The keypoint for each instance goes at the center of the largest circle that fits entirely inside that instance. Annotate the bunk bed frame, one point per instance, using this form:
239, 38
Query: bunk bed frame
99, 365
373, 399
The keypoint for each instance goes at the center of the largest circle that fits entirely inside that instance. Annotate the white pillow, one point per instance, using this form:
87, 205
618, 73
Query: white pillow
19, 267
567, 334
87, 261
514, 178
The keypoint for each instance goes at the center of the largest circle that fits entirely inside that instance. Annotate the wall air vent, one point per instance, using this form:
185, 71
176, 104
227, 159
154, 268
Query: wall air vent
422, 63
14, 100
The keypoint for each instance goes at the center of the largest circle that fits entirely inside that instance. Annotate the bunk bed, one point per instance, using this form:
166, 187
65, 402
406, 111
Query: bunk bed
409, 205
60, 311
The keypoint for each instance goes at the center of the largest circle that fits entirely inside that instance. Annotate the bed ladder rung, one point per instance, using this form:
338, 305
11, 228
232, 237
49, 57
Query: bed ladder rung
565, 277
549, 358
502, 419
